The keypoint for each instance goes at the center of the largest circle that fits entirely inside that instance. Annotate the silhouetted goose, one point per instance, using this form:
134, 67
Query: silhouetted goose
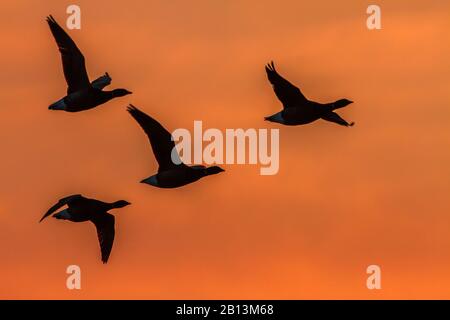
297, 109
80, 209
81, 94
170, 175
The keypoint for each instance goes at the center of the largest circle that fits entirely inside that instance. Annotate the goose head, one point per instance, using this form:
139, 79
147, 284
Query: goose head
121, 204
213, 170
342, 103
120, 92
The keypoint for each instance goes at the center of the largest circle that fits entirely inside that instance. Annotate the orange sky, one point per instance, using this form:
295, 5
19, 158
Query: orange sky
343, 199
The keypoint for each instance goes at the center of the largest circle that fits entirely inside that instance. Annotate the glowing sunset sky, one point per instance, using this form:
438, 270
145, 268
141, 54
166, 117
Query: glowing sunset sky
344, 198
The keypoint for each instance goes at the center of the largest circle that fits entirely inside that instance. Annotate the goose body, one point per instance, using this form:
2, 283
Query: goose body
81, 94
297, 110
83, 100
177, 177
81, 209
171, 174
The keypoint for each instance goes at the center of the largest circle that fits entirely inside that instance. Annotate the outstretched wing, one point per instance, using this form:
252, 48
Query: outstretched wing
105, 232
101, 82
289, 95
61, 202
334, 117
72, 58
160, 139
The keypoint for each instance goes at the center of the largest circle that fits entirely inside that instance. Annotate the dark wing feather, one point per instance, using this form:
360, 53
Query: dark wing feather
105, 232
61, 202
73, 60
101, 82
289, 95
334, 117
160, 139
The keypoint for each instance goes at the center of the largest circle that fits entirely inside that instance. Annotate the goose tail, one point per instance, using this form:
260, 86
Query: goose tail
58, 105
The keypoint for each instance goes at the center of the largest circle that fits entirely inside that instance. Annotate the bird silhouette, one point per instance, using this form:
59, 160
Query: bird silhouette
81, 94
172, 172
81, 209
297, 109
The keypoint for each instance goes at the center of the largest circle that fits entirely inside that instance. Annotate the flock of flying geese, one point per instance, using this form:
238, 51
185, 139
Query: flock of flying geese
84, 95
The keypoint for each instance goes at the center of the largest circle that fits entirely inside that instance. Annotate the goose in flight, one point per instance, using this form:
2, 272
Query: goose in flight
172, 172
81, 94
297, 109
80, 209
